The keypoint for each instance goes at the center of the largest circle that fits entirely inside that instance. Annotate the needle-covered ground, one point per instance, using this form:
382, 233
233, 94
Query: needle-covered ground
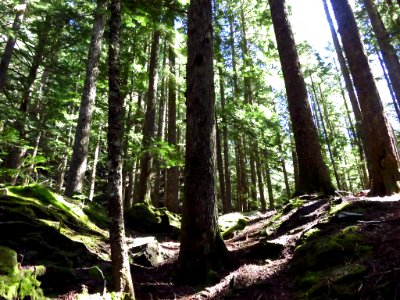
313, 248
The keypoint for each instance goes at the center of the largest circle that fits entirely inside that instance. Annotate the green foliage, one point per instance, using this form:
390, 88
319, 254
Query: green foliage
18, 282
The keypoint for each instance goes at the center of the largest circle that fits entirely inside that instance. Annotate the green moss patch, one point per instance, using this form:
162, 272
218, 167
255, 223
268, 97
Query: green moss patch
231, 223
15, 282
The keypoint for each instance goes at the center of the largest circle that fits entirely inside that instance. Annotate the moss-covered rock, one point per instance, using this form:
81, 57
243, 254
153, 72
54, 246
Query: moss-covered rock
53, 231
146, 218
231, 223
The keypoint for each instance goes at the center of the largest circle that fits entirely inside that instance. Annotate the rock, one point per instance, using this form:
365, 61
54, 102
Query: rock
146, 218
146, 252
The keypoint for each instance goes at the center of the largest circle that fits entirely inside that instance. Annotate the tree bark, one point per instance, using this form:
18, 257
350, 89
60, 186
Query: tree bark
142, 187
260, 182
160, 134
94, 166
202, 248
313, 173
12, 39
326, 135
379, 141
119, 252
78, 164
271, 200
388, 51
172, 185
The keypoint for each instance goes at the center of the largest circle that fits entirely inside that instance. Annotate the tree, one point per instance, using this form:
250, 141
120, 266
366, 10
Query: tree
313, 173
202, 248
388, 51
149, 123
8, 51
380, 143
78, 164
119, 252
172, 184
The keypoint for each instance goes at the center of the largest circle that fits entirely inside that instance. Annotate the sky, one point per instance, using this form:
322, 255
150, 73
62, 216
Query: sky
309, 23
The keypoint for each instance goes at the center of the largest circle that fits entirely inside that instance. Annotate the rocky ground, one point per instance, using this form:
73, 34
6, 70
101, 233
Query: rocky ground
341, 247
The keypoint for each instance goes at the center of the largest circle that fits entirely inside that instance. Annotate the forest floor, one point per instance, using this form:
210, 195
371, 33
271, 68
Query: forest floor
341, 247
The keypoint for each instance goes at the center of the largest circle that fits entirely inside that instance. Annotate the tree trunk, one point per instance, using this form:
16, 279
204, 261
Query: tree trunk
202, 248
119, 252
149, 124
63, 166
160, 134
269, 181
172, 185
380, 143
220, 167
12, 39
13, 160
260, 182
94, 166
388, 51
78, 164
313, 173
389, 84
227, 173
326, 136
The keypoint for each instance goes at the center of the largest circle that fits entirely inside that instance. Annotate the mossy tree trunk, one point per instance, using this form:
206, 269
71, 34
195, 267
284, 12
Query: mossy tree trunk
119, 253
202, 248
313, 173
380, 144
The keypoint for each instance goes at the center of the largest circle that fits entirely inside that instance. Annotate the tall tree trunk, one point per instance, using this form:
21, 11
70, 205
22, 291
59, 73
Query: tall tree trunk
271, 200
160, 133
227, 171
119, 252
313, 173
345, 71
225, 145
354, 136
388, 52
326, 135
389, 84
94, 166
202, 248
12, 39
220, 167
142, 187
13, 160
172, 185
379, 141
260, 182
78, 164
63, 166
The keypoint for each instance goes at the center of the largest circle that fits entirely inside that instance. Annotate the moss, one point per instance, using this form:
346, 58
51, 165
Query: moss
92, 242
348, 243
230, 223
273, 224
338, 282
145, 217
8, 261
18, 283
36, 201
335, 209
